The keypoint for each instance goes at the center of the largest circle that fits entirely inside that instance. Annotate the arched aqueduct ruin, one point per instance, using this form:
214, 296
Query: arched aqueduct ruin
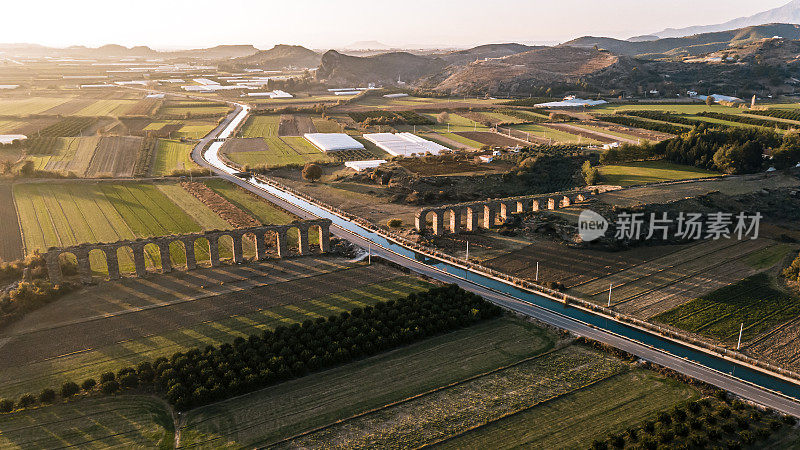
488, 211
187, 241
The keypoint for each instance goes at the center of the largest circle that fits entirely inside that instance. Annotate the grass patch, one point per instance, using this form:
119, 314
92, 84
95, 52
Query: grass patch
643, 172
755, 301
262, 210
575, 419
298, 405
122, 421
557, 136
768, 256
171, 156
261, 126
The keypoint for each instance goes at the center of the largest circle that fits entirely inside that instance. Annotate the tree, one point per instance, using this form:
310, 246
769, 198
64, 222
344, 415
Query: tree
443, 117
312, 172
709, 100
47, 396
590, 174
27, 168
69, 389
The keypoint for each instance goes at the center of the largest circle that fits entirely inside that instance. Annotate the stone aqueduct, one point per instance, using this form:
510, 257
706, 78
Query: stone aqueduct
488, 211
258, 234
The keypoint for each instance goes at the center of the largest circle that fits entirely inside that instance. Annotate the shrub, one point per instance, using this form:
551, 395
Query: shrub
129, 380
109, 387
88, 384
69, 389
394, 223
664, 418
47, 396
312, 172
6, 405
108, 376
26, 400
665, 436
679, 414
617, 441
789, 420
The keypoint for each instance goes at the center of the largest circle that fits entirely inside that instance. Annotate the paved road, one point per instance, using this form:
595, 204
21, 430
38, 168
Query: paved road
686, 367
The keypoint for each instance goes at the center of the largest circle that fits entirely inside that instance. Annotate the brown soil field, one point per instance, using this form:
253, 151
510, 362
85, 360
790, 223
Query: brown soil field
444, 140
654, 136
730, 186
780, 346
420, 166
652, 287
489, 138
245, 145
589, 134
119, 311
70, 107
11, 154
11, 247
135, 126
305, 125
288, 126
222, 207
29, 127
145, 107
116, 156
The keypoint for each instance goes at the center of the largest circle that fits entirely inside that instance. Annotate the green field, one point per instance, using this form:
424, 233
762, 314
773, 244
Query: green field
461, 139
91, 363
282, 151
575, 419
261, 126
755, 302
28, 106
692, 108
769, 256
642, 172
64, 214
289, 408
171, 156
123, 421
557, 136
326, 125
193, 111
65, 154
107, 108
454, 123
261, 209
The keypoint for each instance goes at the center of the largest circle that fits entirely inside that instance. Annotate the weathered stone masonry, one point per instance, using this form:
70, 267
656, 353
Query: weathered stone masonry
490, 209
111, 250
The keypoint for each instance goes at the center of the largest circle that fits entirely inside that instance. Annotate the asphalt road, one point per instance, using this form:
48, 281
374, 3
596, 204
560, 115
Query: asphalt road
734, 385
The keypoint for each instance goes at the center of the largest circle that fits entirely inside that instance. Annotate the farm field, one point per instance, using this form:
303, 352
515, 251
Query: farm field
64, 155
261, 126
262, 210
619, 134
191, 129
326, 125
193, 111
29, 106
755, 301
489, 138
246, 300
557, 136
129, 421
692, 108
172, 155
463, 141
63, 214
115, 156
282, 151
456, 122
101, 108
309, 402
442, 414
11, 247
628, 174
574, 419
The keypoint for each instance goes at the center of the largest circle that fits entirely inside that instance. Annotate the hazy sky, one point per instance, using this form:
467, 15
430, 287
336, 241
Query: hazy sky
330, 23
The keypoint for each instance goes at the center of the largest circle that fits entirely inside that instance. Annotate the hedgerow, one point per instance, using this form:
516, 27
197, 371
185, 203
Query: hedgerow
198, 377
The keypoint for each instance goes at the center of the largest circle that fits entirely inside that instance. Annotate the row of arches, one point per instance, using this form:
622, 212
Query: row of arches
165, 252
485, 214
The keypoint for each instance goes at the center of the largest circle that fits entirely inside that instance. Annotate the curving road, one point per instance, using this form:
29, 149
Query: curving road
725, 381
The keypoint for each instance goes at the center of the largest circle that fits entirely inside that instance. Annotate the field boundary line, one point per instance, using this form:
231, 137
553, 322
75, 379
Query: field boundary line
416, 396
540, 403
19, 221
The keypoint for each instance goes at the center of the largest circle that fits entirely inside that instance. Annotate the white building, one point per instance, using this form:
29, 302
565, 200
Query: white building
10, 138
333, 142
404, 144
571, 102
358, 166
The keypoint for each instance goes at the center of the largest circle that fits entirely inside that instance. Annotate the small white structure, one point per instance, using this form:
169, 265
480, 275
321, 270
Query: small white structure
90, 86
395, 95
272, 94
719, 98
347, 92
571, 102
333, 142
10, 138
204, 81
404, 144
154, 96
358, 166
610, 146
486, 158
9, 86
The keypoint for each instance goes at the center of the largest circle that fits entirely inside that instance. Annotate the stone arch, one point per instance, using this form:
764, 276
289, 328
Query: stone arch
565, 202
421, 219
177, 252
223, 243
455, 214
282, 241
60, 264
551, 203
125, 260
300, 233
535, 205
202, 250
472, 217
98, 262
489, 215
250, 241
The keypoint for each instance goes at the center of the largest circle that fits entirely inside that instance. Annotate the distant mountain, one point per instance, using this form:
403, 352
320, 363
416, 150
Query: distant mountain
279, 57
789, 13
519, 72
368, 45
384, 68
120, 51
218, 52
463, 57
691, 45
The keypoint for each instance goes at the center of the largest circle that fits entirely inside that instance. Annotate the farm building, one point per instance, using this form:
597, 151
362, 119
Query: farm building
10, 138
272, 94
333, 142
395, 95
204, 81
404, 144
344, 93
9, 86
358, 166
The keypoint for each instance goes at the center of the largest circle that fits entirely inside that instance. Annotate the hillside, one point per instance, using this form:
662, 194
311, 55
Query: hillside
766, 52
789, 13
384, 68
279, 57
515, 73
691, 45
463, 57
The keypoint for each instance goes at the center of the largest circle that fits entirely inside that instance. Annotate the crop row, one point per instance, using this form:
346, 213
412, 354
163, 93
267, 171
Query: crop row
67, 127
390, 117
749, 120
672, 118
787, 114
643, 124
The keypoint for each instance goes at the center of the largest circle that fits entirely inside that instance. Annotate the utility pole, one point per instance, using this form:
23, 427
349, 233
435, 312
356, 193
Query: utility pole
369, 253
609, 294
537, 270
741, 329
467, 257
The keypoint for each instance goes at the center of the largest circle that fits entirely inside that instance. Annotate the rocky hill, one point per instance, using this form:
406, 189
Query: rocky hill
384, 68
515, 73
689, 46
463, 57
788, 13
279, 57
